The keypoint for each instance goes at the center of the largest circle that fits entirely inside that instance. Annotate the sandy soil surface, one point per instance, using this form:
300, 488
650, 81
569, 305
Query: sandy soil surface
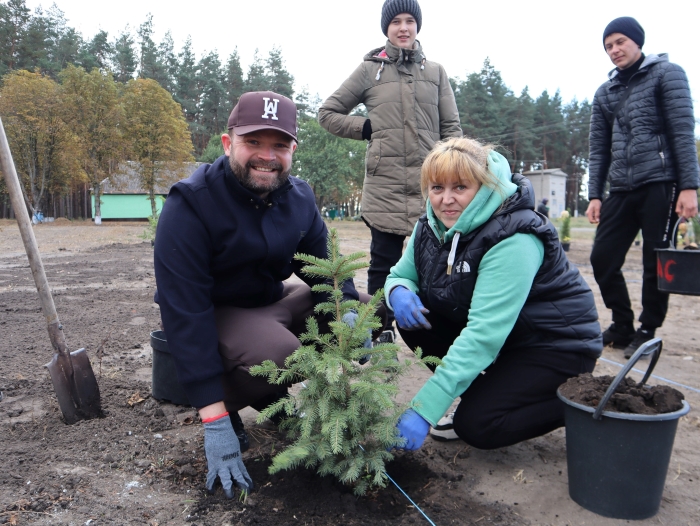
143, 463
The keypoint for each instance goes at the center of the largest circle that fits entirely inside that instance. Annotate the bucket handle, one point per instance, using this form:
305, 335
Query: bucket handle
672, 239
652, 347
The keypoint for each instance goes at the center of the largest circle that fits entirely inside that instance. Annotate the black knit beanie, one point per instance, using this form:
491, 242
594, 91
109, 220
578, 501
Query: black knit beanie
391, 8
628, 26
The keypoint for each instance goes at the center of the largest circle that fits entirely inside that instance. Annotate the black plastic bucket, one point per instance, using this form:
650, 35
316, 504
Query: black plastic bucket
617, 462
164, 381
678, 271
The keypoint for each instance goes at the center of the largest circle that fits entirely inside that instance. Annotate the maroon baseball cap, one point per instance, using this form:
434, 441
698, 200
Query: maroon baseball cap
259, 110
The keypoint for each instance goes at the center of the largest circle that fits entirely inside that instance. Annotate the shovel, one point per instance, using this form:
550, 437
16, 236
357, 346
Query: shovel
71, 373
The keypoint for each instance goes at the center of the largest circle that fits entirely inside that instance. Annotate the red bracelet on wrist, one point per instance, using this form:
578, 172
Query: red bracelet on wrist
212, 418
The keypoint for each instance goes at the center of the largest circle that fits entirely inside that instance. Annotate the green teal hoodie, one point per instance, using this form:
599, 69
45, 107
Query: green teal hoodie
499, 294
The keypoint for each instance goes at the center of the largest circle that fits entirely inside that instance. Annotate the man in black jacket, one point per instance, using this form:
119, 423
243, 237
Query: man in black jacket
224, 247
643, 144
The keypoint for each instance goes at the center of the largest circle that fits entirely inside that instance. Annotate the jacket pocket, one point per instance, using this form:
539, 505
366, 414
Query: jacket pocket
374, 153
661, 151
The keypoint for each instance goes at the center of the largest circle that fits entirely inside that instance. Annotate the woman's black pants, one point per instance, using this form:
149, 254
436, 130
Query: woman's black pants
514, 399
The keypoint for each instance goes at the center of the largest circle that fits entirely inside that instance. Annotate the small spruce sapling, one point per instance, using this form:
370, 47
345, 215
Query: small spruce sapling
343, 423
149, 234
565, 232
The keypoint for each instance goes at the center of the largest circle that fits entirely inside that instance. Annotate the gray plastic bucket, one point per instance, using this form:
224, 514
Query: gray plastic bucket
617, 462
165, 384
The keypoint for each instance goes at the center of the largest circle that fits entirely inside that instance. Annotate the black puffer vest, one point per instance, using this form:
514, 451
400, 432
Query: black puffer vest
559, 312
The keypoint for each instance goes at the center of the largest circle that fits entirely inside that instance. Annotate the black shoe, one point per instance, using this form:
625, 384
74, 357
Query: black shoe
640, 337
240, 431
619, 336
387, 336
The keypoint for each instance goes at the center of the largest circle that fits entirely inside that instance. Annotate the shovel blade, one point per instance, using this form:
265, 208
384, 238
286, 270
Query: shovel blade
76, 386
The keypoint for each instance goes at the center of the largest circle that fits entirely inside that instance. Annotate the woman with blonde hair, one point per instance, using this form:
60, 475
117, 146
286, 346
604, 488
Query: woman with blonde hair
485, 285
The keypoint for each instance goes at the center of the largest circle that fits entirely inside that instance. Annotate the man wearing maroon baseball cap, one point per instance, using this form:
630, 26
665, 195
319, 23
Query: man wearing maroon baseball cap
225, 245
259, 110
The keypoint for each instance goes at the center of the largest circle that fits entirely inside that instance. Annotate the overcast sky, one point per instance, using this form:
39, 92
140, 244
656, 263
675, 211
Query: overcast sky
542, 44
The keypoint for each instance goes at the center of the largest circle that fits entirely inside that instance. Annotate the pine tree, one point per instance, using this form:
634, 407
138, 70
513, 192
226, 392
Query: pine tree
481, 104
520, 141
186, 93
212, 114
124, 59
234, 79
14, 19
577, 117
551, 130
256, 80
168, 61
280, 80
96, 52
347, 413
151, 65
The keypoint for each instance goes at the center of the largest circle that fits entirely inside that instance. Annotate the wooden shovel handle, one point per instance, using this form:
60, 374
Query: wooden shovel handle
42, 285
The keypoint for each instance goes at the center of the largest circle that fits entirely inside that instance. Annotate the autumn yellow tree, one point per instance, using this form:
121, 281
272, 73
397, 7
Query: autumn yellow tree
45, 150
157, 133
95, 115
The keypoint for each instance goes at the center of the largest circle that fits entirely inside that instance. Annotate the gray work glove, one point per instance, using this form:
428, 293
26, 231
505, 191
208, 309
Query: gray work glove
350, 319
224, 457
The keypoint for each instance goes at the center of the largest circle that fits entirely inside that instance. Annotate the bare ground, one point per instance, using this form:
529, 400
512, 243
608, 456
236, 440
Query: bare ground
143, 463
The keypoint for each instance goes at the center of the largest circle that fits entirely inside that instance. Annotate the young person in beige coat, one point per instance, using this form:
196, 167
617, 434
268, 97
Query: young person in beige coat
410, 106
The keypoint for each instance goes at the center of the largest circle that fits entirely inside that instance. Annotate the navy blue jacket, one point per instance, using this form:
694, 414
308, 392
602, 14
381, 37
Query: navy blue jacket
219, 244
653, 137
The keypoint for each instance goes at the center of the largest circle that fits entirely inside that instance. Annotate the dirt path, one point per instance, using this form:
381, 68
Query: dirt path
143, 463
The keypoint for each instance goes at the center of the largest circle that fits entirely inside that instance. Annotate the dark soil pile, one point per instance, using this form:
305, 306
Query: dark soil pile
588, 390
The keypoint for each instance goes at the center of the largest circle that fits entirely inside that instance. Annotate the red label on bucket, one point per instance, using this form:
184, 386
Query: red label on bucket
663, 271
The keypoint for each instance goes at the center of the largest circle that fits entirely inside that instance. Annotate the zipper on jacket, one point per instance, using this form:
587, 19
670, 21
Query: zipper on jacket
661, 152
630, 183
432, 270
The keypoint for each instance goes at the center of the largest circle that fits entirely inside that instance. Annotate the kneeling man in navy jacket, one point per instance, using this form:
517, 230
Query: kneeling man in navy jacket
225, 245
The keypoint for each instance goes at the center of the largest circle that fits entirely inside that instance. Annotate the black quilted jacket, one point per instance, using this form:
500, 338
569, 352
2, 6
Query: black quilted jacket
653, 136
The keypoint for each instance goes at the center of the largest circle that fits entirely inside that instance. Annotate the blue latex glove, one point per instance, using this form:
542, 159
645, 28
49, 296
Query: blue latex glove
224, 457
408, 309
350, 318
414, 428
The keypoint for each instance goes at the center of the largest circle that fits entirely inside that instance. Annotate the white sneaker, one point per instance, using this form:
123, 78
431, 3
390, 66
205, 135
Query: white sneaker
444, 430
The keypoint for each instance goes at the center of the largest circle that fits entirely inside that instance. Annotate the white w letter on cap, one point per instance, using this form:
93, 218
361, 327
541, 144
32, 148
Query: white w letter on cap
270, 108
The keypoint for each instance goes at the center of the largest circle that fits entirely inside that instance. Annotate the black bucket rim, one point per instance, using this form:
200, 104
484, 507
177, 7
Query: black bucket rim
651, 348
158, 335
629, 416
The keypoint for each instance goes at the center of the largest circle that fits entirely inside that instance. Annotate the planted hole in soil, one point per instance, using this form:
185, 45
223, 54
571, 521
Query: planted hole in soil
588, 390
300, 496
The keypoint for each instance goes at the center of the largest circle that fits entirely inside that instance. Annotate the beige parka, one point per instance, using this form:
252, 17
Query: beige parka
411, 106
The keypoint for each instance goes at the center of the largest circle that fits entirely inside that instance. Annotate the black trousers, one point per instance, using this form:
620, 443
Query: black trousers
650, 208
385, 251
514, 399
